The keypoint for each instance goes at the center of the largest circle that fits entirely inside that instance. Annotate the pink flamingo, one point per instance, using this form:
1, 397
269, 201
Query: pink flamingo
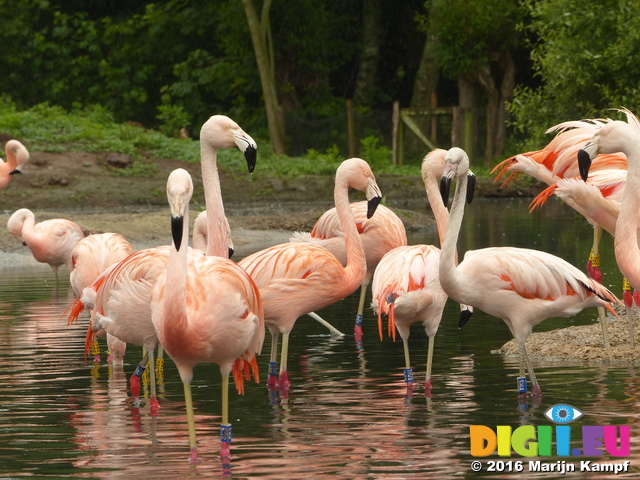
519, 285
17, 157
618, 136
199, 236
51, 241
296, 278
380, 234
121, 296
557, 161
557, 166
205, 309
90, 257
405, 284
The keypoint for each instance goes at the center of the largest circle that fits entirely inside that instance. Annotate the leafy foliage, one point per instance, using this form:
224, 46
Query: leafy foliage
584, 51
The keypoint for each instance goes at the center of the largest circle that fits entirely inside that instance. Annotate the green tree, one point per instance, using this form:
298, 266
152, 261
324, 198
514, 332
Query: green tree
477, 42
585, 55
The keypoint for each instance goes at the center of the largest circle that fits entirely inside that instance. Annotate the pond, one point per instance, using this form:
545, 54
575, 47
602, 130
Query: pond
347, 413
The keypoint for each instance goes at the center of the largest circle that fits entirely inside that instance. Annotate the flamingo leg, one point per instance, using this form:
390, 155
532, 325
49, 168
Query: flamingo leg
524, 361
332, 329
134, 381
225, 426
627, 296
193, 458
153, 401
283, 378
603, 325
95, 350
360, 315
427, 382
408, 371
272, 379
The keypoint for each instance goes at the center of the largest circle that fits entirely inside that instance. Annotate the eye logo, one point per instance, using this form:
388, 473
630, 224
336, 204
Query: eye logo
562, 413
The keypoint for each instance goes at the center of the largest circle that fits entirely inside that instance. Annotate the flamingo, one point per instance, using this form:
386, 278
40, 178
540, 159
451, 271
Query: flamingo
519, 285
296, 278
205, 309
90, 257
380, 234
121, 296
405, 283
200, 233
50, 241
556, 165
557, 161
618, 136
17, 157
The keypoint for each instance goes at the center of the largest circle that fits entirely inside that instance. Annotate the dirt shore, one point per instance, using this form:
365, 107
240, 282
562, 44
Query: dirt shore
93, 190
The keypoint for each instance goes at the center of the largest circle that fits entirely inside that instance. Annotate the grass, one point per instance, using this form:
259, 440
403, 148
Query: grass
91, 128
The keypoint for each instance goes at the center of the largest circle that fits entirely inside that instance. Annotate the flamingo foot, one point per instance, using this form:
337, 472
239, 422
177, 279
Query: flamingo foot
134, 384
154, 406
358, 331
225, 452
96, 358
272, 382
427, 388
193, 457
284, 384
225, 459
410, 390
537, 391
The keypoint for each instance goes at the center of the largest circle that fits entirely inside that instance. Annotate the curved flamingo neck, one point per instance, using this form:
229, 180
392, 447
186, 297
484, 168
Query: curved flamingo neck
356, 262
448, 272
626, 238
440, 211
28, 230
217, 241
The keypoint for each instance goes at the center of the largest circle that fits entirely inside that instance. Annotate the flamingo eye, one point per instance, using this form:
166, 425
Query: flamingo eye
562, 413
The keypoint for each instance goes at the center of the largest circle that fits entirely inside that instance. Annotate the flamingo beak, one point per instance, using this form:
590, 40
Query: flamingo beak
248, 146
465, 315
445, 186
177, 227
471, 186
14, 172
374, 197
585, 156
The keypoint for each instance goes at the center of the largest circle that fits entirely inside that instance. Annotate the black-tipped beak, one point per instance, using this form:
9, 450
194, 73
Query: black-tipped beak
231, 250
250, 155
465, 315
584, 163
471, 186
177, 226
445, 185
15, 172
372, 206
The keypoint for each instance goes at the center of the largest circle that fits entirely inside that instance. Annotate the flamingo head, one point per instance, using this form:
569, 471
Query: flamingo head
612, 137
357, 174
179, 191
456, 165
222, 132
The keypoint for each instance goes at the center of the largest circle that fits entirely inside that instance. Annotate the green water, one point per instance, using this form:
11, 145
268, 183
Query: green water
347, 414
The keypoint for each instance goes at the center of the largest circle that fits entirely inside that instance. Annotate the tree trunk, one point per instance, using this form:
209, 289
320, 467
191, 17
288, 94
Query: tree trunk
425, 95
503, 69
372, 33
261, 38
465, 123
